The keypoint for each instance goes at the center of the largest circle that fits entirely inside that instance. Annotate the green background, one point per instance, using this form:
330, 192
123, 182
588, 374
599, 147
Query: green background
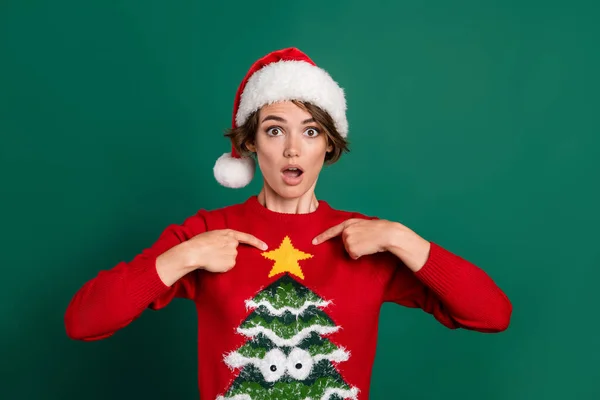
475, 123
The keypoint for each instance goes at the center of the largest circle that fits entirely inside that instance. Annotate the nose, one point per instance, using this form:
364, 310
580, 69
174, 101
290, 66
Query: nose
292, 147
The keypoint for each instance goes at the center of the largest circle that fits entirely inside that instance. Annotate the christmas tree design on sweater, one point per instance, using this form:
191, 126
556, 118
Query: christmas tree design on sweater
288, 355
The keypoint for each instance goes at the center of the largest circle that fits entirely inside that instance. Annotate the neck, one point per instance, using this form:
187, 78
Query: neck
304, 204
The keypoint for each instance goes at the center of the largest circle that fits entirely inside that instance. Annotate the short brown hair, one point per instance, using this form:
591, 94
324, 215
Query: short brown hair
247, 132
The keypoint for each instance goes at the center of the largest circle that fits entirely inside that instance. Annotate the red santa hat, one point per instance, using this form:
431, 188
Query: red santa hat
286, 74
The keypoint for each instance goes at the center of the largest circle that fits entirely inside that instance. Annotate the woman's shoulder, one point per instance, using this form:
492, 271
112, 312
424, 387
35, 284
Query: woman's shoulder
348, 213
222, 213
206, 218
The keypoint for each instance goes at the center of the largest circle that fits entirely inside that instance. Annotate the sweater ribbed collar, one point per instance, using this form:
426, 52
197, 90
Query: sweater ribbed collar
266, 215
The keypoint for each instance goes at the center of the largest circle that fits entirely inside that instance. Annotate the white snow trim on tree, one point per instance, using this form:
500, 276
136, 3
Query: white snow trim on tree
298, 80
291, 342
234, 172
236, 360
251, 304
345, 394
236, 397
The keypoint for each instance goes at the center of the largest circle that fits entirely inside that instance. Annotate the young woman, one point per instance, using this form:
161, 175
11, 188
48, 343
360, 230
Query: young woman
287, 289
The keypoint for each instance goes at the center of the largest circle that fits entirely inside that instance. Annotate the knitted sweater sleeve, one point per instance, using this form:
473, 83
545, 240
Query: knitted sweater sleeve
455, 291
115, 297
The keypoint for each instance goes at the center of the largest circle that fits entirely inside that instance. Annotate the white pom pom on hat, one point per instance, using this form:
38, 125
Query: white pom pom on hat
286, 74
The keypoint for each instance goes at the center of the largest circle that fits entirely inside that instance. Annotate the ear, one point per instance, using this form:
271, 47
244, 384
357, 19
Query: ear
329, 143
251, 147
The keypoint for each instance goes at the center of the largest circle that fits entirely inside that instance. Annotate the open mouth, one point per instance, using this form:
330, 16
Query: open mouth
292, 171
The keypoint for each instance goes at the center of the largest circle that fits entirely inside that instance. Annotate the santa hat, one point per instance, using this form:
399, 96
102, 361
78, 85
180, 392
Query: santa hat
286, 74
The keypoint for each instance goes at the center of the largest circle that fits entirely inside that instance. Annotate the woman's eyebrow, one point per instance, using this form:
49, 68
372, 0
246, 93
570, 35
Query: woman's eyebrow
274, 118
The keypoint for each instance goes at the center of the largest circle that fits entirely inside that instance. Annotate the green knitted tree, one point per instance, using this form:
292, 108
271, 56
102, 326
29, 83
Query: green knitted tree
287, 356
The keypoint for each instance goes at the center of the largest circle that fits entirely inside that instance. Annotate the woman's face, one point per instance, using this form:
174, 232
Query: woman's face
290, 148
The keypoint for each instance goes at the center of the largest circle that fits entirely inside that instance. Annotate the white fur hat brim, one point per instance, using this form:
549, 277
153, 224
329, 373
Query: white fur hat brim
294, 80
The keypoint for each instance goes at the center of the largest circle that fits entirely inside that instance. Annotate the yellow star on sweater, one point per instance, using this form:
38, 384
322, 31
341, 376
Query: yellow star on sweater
286, 259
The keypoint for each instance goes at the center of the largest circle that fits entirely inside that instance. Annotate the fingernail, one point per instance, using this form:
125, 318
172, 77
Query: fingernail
314, 241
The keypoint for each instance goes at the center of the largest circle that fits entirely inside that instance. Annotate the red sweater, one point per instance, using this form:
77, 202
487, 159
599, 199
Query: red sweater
295, 321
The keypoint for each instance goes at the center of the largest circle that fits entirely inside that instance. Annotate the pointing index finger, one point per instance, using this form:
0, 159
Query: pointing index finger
330, 233
249, 239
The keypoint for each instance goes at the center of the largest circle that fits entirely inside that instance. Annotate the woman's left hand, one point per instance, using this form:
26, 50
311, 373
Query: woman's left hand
362, 237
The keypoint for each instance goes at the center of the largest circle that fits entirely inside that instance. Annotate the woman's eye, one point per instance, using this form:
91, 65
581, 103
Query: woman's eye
311, 132
274, 131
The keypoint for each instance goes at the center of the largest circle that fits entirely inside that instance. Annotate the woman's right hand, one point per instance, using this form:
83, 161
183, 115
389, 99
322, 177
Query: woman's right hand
214, 251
